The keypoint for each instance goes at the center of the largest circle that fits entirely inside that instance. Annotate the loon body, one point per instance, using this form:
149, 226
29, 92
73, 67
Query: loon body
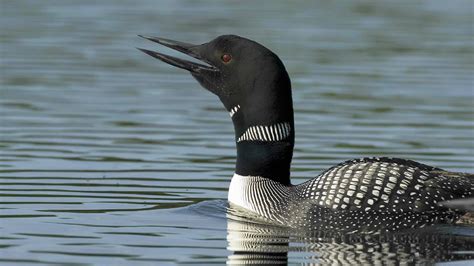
368, 194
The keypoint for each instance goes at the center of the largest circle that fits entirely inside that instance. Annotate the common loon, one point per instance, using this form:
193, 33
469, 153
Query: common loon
368, 194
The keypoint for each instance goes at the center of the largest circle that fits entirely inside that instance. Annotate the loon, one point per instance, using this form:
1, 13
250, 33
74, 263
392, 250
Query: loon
360, 195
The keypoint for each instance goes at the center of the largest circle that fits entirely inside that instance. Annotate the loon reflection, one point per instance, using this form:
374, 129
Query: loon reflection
253, 241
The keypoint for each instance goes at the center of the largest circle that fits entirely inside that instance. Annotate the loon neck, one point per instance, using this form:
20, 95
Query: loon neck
264, 146
267, 160
262, 113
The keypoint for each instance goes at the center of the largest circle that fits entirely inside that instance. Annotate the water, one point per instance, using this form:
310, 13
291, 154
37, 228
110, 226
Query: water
109, 157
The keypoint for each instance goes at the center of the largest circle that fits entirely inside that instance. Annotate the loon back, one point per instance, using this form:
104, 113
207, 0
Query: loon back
358, 195
368, 194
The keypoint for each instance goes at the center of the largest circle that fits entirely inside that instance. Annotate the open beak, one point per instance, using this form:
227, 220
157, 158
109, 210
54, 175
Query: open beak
186, 48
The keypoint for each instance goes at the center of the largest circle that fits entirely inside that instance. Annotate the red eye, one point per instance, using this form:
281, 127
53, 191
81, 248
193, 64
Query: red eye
226, 58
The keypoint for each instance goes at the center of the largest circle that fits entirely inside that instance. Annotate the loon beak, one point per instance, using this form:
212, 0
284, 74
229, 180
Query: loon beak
186, 48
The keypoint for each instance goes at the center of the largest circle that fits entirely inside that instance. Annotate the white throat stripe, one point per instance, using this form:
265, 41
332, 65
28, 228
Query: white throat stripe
234, 110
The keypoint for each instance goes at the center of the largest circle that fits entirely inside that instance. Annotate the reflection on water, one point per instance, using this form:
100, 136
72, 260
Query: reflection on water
108, 157
259, 243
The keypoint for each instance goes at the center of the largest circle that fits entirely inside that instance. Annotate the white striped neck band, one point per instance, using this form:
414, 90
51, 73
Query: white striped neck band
276, 132
234, 110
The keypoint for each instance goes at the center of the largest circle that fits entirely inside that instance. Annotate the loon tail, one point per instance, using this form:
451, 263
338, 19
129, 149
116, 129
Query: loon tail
466, 204
461, 185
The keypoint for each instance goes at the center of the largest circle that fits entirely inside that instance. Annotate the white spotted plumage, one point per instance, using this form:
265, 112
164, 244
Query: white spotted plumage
388, 203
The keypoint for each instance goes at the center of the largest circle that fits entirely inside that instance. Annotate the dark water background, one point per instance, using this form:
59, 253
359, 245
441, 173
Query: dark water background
109, 157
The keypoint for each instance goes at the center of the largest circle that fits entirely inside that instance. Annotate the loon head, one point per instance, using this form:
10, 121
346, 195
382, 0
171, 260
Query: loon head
254, 86
239, 71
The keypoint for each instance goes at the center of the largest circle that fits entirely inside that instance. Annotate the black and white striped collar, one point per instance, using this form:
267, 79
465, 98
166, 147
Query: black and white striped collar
275, 132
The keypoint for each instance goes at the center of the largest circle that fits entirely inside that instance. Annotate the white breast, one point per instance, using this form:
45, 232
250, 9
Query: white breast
261, 195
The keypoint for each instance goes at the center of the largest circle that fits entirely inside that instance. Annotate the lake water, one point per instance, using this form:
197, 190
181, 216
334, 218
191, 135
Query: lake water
110, 157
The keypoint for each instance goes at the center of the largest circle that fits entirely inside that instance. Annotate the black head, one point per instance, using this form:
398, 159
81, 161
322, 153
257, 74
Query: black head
238, 70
